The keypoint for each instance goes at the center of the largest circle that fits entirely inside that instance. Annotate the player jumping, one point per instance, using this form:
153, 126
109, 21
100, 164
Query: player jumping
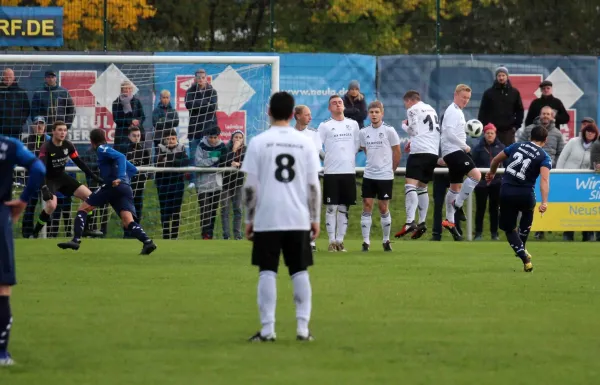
527, 161
116, 171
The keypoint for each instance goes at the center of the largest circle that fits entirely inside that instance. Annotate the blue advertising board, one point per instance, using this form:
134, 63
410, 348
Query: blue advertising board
31, 26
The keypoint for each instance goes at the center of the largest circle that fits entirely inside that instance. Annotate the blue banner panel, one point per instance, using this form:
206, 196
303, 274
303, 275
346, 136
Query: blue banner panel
31, 26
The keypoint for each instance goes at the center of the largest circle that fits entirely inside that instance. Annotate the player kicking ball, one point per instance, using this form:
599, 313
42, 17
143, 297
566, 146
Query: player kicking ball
382, 147
527, 162
283, 201
116, 171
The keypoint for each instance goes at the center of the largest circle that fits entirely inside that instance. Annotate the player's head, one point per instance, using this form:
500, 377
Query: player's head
462, 95
127, 88
212, 136
171, 138
200, 77
59, 130
302, 114
547, 115
97, 137
411, 98
539, 135
135, 134
336, 105
375, 112
281, 106
39, 125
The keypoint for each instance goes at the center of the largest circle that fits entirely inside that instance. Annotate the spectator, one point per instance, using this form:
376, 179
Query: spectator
211, 152
127, 111
577, 155
594, 157
201, 101
488, 147
14, 106
138, 155
555, 142
355, 105
232, 186
164, 117
96, 224
170, 185
501, 105
547, 99
53, 102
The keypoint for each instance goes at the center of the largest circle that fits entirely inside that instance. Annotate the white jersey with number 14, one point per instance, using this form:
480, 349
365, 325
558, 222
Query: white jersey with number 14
424, 129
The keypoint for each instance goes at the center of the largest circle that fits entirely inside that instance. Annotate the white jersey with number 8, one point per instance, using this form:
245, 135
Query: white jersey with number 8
424, 129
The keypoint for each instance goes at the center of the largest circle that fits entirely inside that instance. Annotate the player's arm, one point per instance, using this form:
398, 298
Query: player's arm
545, 182
498, 159
411, 126
251, 187
82, 165
363, 141
314, 192
396, 152
123, 165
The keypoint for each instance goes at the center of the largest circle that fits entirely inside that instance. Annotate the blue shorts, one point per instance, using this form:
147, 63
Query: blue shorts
8, 276
120, 198
512, 202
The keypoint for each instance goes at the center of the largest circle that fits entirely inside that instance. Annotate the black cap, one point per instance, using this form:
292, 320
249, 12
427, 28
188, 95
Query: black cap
545, 83
50, 73
587, 119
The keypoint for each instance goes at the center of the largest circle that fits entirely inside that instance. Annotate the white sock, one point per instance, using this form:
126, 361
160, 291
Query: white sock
303, 300
386, 226
313, 243
467, 188
411, 202
450, 197
267, 299
342, 223
365, 227
330, 221
423, 203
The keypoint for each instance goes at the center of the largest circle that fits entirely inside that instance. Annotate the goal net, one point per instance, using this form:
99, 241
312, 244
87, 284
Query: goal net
174, 117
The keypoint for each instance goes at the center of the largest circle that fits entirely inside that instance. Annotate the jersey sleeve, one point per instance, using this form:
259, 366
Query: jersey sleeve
413, 122
72, 151
313, 164
250, 163
363, 141
105, 152
393, 137
547, 162
322, 133
510, 149
44, 152
24, 157
356, 137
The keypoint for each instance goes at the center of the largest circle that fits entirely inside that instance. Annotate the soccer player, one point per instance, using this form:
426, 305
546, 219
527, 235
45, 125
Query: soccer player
12, 153
527, 161
381, 144
283, 200
341, 138
455, 154
55, 154
423, 127
116, 171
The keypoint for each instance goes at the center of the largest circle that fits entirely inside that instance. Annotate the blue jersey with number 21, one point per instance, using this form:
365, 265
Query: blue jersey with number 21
524, 162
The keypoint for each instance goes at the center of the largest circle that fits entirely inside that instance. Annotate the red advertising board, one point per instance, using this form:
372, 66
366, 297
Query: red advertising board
230, 123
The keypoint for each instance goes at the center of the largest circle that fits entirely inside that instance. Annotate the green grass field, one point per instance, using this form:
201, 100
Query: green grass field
427, 313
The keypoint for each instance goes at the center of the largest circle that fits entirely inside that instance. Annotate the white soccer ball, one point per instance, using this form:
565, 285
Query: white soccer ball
474, 128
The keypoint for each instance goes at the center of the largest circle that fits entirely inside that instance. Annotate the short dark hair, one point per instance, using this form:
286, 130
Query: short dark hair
539, 134
333, 97
58, 123
412, 95
171, 132
134, 129
97, 136
281, 105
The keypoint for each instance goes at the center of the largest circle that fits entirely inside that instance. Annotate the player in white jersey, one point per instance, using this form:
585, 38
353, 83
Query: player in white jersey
340, 136
423, 128
282, 195
455, 154
381, 143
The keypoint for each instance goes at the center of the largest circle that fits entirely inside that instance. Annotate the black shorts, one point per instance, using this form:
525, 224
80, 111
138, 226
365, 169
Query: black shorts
339, 189
459, 164
421, 166
513, 202
63, 184
295, 245
380, 189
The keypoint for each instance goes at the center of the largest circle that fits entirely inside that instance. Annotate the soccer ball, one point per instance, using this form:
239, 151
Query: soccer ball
474, 128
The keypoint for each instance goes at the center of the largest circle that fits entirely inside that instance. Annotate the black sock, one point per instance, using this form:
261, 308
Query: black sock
517, 245
136, 230
79, 225
41, 222
5, 323
525, 225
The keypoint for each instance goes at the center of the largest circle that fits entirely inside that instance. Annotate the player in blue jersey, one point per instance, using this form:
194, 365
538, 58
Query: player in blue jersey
526, 162
116, 172
12, 153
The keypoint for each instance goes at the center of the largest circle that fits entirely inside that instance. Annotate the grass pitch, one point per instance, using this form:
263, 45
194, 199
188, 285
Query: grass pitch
428, 313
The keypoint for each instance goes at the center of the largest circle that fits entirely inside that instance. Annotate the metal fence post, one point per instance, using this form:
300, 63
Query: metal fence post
105, 26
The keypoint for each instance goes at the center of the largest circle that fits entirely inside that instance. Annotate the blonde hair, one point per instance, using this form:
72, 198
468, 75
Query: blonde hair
462, 87
165, 93
376, 104
299, 109
126, 83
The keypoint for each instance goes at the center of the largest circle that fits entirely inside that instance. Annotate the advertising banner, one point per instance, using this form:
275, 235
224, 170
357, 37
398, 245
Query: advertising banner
31, 26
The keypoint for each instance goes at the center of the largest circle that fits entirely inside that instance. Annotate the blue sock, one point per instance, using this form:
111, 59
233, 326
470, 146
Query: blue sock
5, 323
79, 225
136, 230
517, 245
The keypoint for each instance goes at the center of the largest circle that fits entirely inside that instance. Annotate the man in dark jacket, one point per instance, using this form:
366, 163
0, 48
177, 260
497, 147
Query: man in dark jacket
547, 99
501, 105
14, 106
201, 101
53, 102
138, 155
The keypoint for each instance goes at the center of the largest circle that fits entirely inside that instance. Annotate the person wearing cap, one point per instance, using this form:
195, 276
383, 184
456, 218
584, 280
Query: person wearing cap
547, 99
14, 106
232, 186
488, 147
53, 102
355, 105
501, 105
201, 101
128, 111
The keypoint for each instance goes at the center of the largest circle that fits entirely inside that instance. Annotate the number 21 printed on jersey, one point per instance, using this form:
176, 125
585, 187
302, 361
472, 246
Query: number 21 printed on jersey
519, 160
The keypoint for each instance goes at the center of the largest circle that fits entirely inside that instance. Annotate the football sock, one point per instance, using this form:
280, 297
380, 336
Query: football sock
423, 203
450, 197
303, 300
515, 242
386, 226
365, 226
136, 230
5, 322
411, 201
267, 300
41, 222
330, 221
525, 225
342, 223
467, 188
79, 225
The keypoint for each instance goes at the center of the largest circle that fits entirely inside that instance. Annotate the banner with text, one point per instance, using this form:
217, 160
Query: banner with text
31, 26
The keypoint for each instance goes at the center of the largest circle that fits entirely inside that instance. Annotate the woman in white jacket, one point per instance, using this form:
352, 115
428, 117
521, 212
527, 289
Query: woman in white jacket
576, 155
